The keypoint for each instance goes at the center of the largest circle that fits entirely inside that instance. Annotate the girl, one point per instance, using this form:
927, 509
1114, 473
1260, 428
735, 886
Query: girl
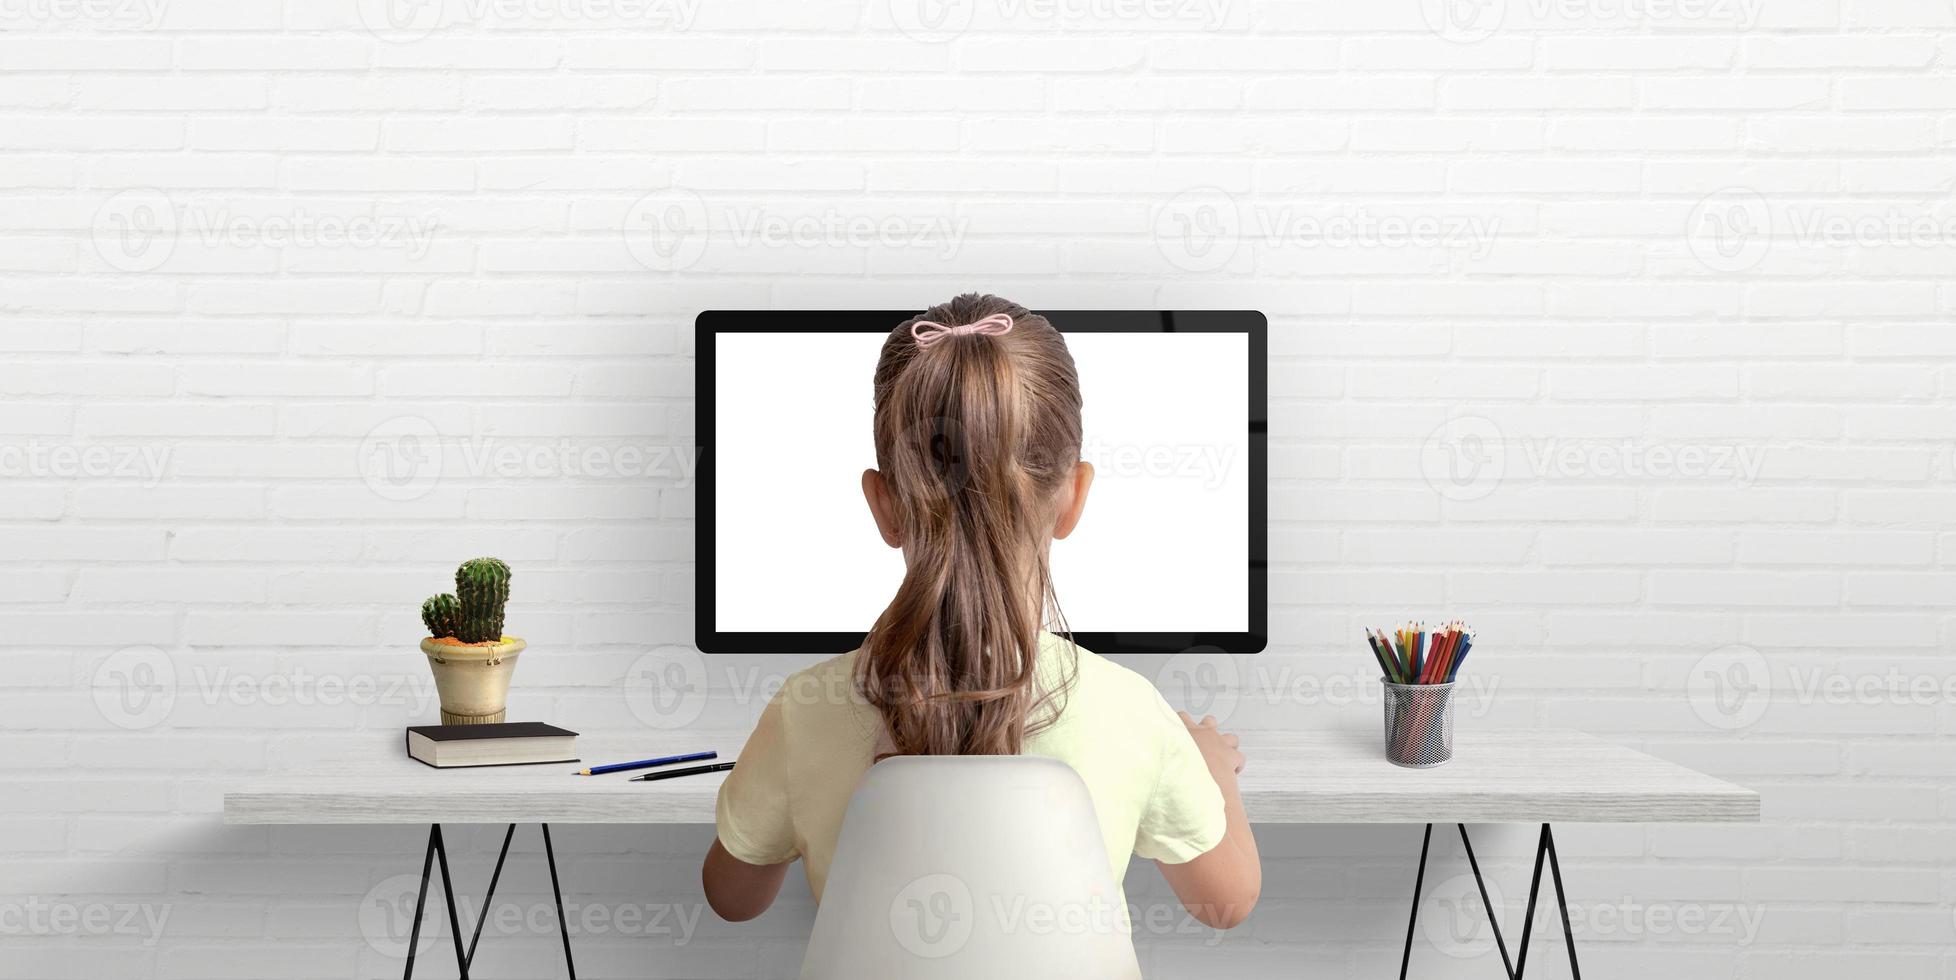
977, 431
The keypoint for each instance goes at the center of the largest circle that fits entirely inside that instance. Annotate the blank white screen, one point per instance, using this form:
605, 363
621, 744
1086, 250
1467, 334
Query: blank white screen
1163, 546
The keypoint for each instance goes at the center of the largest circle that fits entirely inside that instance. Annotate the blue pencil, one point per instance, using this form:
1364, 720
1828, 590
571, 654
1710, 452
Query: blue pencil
1466, 644
647, 763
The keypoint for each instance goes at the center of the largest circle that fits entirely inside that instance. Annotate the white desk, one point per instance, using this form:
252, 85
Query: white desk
1543, 775
1535, 776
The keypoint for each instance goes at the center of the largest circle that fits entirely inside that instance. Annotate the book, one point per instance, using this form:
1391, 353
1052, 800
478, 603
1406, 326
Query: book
524, 743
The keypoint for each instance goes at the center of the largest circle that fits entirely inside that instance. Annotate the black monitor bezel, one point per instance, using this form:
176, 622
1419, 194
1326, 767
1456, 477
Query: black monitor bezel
709, 639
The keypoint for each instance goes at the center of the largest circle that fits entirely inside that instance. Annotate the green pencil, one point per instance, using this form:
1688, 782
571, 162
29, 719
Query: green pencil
1378, 654
1395, 668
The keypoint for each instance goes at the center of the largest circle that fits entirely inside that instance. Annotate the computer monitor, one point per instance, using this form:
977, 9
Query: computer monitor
1169, 556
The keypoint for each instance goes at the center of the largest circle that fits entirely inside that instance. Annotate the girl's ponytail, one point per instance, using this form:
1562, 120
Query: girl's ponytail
977, 426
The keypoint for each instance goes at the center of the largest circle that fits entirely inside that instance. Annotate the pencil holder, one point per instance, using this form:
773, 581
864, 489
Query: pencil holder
1418, 724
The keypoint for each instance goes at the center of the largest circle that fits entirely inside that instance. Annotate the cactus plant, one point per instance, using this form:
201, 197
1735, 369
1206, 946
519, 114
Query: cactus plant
474, 613
482, 585
443, 614
471, 658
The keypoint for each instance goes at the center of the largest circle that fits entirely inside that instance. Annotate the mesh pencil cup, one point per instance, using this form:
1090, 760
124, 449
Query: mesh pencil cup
1418, 724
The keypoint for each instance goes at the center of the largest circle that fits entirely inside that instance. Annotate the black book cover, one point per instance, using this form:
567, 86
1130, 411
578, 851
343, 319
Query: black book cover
512, 729
508, 729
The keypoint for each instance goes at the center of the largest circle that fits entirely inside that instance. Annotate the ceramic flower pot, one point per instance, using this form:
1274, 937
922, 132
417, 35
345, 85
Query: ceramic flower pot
472, 678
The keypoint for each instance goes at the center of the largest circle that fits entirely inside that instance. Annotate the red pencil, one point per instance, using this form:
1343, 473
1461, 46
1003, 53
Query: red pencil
1443, 659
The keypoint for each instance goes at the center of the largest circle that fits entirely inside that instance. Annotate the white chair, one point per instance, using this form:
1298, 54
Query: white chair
971, 868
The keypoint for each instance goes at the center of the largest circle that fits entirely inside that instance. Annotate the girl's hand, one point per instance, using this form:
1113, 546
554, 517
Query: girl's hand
1219, 748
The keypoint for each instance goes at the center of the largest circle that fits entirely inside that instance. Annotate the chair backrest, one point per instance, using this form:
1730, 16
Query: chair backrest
971, 867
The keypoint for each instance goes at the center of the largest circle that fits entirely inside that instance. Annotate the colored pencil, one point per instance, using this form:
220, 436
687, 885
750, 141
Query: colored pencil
670, 760
652, 777
1466, 644
1378, 654
1415, 653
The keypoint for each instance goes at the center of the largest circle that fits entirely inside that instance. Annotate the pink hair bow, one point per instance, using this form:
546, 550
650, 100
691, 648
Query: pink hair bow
929, 332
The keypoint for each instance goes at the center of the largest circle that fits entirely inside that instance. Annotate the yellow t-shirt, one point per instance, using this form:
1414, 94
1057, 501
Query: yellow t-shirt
1151, 790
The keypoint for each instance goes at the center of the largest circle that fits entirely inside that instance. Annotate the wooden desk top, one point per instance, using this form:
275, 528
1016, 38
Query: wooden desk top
1293, 778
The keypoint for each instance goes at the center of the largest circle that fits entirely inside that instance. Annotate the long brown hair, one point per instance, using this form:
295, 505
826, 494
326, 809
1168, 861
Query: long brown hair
975, 435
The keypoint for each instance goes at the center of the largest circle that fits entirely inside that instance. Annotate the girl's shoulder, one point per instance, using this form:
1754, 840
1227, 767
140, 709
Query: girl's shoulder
822, 710
1100, 680
830, 683
1108, 707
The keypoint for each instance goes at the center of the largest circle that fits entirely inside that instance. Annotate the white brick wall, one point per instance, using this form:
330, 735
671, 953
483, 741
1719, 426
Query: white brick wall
1676, 274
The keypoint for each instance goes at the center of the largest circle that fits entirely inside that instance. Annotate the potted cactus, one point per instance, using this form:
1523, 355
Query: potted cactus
467, 650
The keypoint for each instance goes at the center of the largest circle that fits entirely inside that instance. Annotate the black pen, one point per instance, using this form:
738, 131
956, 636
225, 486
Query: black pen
688, 771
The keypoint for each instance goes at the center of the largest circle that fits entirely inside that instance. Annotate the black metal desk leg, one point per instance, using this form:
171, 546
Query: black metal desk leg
488, 899
421, 901
437, 856
1561, 902
1411, 920
563, 927
436, 853
1544, 849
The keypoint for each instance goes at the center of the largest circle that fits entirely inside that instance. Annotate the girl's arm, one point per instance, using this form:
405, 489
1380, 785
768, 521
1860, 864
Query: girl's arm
1220, 887
752, 811
736, 890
